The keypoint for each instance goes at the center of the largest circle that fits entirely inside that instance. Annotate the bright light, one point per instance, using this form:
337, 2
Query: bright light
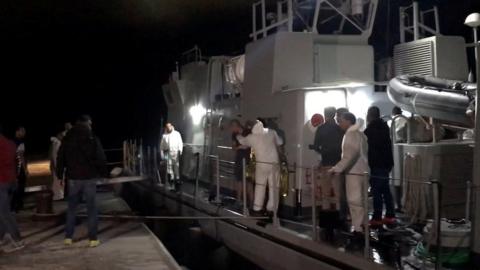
317, 101
473, 20
197, 112
335, 85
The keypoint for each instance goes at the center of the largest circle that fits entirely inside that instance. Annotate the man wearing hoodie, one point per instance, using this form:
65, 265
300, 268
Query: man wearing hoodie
380, 160
82, 160
354, 163
264, 143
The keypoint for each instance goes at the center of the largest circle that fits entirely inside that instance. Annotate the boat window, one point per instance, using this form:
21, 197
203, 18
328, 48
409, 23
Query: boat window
317, 101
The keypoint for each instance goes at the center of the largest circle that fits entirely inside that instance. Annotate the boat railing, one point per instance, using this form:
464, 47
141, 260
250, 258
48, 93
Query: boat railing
425, 199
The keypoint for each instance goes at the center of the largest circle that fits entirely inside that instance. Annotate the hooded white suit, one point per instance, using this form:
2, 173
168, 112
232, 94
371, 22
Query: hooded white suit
354, 161
264, 143
171, 148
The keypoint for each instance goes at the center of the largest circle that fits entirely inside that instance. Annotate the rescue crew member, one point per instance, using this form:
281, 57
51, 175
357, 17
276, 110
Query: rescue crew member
82, 159
171, 147
380, 161
264, 143
354, 163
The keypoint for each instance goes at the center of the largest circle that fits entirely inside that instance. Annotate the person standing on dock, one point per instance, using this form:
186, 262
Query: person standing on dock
8, 224
264, 143
22, 169
171, 148
380, 160
354, 164
57, 183
82, 159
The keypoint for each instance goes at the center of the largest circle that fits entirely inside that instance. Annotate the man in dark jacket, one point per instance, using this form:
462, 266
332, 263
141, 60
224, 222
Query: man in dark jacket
328, 143
380, 160
82, 159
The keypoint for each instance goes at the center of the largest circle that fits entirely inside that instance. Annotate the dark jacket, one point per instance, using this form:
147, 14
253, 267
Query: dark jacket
380, 154
328, 142
8, 172
81, 155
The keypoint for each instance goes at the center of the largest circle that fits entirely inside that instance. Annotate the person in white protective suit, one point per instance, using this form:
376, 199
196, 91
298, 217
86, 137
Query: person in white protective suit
171, 147
354, 164
57, 183
264, 143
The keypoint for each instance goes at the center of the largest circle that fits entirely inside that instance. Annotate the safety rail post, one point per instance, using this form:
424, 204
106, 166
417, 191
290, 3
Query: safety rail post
416, 34
124, 146
290, 15
276, 197
366, 251
437, 202
468, 200
217, 175
314, 206
264, 19
244, 183
254, 21
197, 172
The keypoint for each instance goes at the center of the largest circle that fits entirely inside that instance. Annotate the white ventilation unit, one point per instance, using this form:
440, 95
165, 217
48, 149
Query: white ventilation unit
439, 56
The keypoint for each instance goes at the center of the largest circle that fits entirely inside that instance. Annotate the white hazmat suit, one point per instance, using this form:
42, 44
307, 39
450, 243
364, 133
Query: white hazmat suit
354, 164
171, 148
264, 143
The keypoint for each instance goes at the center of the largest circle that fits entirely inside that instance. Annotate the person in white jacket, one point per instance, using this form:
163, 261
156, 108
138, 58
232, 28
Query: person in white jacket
264, 143
171, 147
57, 183
354, 164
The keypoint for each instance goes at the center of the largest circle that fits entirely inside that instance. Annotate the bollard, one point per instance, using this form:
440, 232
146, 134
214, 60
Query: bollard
244, 182
314, 206
366, 251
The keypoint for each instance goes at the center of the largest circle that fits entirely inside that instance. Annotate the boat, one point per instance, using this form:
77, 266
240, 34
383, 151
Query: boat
293, 68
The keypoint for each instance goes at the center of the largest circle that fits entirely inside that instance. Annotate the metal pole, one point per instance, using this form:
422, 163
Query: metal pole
276, 197
244, 182
290, 15
314, 206
197, 172
475, 40
416, 34
476, 160
468, 201
315, 17
366, 251
437, 19
254, 22
437, 194
279, 12
402, 24
264, 19
217, 163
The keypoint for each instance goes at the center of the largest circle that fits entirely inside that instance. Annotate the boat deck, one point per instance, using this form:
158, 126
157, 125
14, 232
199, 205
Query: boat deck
124, 244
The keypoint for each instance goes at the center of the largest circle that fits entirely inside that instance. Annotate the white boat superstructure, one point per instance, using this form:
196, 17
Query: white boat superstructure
293, 68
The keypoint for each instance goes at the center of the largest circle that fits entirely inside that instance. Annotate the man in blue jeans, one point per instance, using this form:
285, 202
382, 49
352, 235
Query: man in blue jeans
380, 161
8, 224
82, 159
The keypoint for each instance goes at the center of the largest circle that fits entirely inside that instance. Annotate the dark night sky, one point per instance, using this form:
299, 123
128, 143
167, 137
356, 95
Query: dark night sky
109, 58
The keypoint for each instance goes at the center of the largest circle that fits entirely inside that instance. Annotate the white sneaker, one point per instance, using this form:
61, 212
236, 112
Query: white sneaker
13, 246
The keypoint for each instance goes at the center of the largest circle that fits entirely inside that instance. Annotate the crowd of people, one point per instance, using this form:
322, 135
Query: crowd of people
77, 160
345, 154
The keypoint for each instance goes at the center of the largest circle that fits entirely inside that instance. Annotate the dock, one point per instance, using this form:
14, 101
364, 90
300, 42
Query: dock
124, 244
